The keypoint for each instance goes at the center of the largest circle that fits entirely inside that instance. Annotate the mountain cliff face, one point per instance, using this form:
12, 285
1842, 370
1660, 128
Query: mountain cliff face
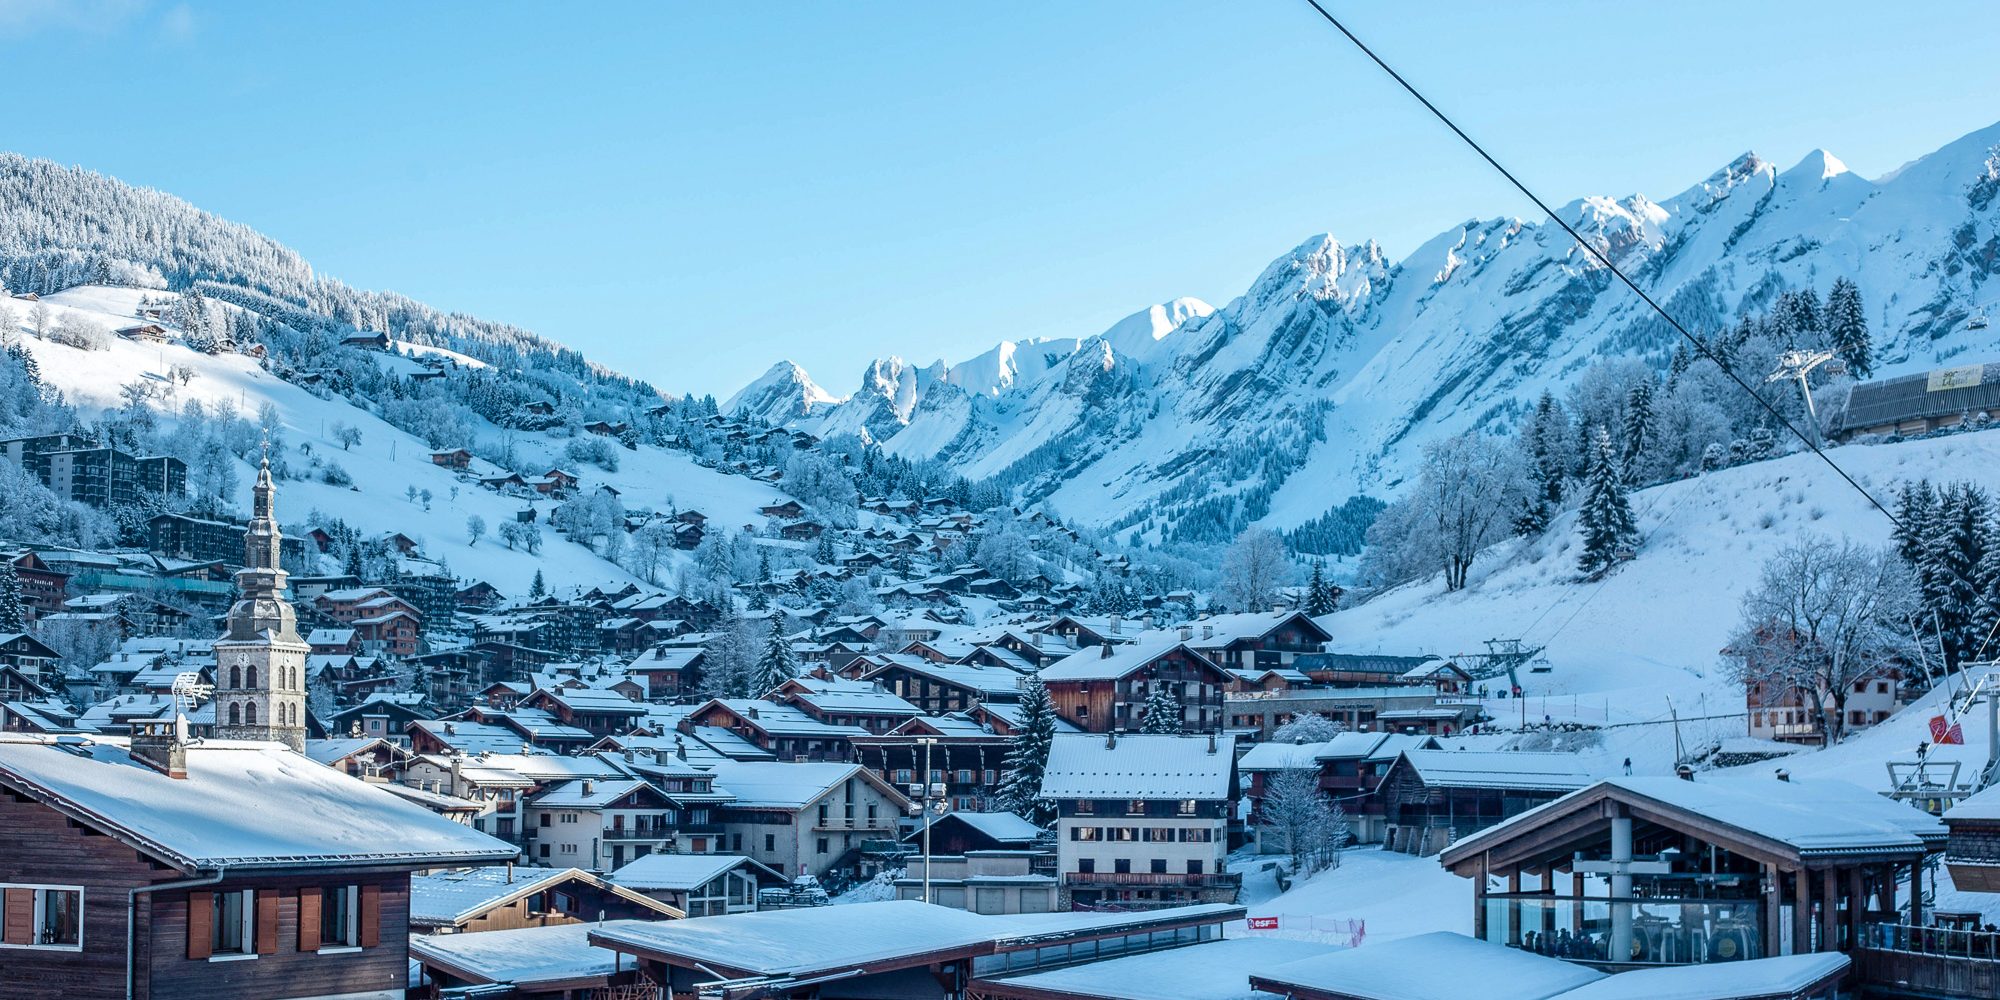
1325, 377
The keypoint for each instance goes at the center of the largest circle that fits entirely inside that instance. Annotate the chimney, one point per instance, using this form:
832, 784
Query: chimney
1784, 775
1111, 740
457, 760
162, 745
1684, 772
1277, 609
1117, 623
629, 756
680, 749
659, 755
1211, 743
1187, 632
1104, 651
589, 787
1208, 631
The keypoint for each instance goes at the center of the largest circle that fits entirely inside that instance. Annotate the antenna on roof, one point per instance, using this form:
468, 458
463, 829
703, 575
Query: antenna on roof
189, 691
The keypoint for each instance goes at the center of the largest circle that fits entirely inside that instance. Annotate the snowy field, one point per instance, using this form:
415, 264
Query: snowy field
1394, 895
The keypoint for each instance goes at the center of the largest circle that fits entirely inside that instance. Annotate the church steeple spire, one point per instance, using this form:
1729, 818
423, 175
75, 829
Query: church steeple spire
260, 660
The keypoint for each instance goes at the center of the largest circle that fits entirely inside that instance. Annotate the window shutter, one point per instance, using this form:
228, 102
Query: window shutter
201, 924
19, 916
371, 916
267, 921
309, 900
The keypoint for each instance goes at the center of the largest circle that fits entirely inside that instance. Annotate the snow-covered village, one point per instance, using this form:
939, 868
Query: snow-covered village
1595, 598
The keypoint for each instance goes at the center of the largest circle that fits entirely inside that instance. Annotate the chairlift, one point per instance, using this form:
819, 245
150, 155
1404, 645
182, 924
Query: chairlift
1977, 322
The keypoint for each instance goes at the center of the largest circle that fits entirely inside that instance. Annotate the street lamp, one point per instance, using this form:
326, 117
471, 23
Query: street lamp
1798, 365
927, 742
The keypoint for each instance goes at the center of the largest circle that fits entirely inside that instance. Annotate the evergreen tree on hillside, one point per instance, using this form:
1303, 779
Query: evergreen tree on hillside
1638, 425
1547, 440
1321, 596
1605, 517
1165, 714
538, 589
759, 601
1028, 755
776, 666
1916, 504
1847, 328
1958, 536
13, 613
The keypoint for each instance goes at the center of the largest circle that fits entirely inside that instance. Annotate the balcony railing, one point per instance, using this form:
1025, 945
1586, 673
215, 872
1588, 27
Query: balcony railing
854, 823
640, 833
1176, 879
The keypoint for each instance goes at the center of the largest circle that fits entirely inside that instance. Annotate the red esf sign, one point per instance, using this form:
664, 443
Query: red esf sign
1263, 923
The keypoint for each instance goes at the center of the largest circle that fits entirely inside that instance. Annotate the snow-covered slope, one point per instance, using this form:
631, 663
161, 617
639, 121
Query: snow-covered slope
1654, 627
387, 462
1324, 378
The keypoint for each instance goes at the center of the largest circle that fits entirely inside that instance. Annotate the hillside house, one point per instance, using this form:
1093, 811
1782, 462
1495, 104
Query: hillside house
456, 458
699, 885
506, 897
1433, 798
805, 818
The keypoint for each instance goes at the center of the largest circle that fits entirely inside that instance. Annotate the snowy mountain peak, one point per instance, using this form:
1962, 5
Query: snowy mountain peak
1819, 163
782, 394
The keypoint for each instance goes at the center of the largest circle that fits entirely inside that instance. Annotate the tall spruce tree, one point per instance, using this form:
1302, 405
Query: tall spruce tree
776, 665
538, 589
1948, 565
1321, 596
13, 613
1028, 755
1638, 425
1847, 328
1165, 715
1547, 439
1605, 516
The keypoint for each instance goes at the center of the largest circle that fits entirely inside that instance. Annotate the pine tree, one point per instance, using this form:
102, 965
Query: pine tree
1546, 438
763, 567
1916, 504
1948, 565
13, 614
776, 666
758, 600
1847, 328
1638, 425
824, 553
1321, 597
1165, 715
1028, 755
1605, 518
538, 589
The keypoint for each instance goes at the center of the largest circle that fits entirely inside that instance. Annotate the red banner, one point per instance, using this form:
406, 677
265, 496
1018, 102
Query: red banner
1944, 731
1263, 923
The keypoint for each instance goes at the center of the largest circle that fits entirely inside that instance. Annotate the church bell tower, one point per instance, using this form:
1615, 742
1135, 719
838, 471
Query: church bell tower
260, 661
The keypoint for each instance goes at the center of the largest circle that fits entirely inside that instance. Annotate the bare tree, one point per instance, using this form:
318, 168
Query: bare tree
10, 321
1312, 825
40, 317
1468, 491
1823, 617
1253, 569
475, 528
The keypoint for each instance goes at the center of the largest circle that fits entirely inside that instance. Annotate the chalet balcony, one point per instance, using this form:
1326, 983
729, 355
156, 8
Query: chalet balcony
1176, 880
883, 824
628, 834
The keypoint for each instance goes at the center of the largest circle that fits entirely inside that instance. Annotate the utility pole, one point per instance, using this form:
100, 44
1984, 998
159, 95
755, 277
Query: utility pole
927, 742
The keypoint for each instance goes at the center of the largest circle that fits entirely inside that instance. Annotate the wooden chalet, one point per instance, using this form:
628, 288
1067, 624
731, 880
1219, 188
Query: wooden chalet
1104, 688
507, 897
220, 869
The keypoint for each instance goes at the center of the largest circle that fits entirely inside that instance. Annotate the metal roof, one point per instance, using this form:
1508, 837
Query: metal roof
1925, 395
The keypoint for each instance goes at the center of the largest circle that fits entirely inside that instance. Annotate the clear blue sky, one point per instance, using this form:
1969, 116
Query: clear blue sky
691, 192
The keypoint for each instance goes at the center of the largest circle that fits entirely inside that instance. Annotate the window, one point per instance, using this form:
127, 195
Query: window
770, 842
1086, 866
819, 845
1159, 866
736, 842
1187, 807
250, 714
545, 819
42, 916
1135, 807
1121, 866
1086, 832
1085, 807
340, 917
1194, 866
232, 927
569, 849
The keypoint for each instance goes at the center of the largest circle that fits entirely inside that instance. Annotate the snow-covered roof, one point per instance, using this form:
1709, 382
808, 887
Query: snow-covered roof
990, 682
1218, 970
1280, 756
587, 793
1094, 663
444, 898
1982, 806
530, 956
1810, 817
1001, 827
242, 805
680, 871
1781, 976
804, 941
868, 699
1556, 772
329, 751
782, 784
1138, 766
1434, 966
